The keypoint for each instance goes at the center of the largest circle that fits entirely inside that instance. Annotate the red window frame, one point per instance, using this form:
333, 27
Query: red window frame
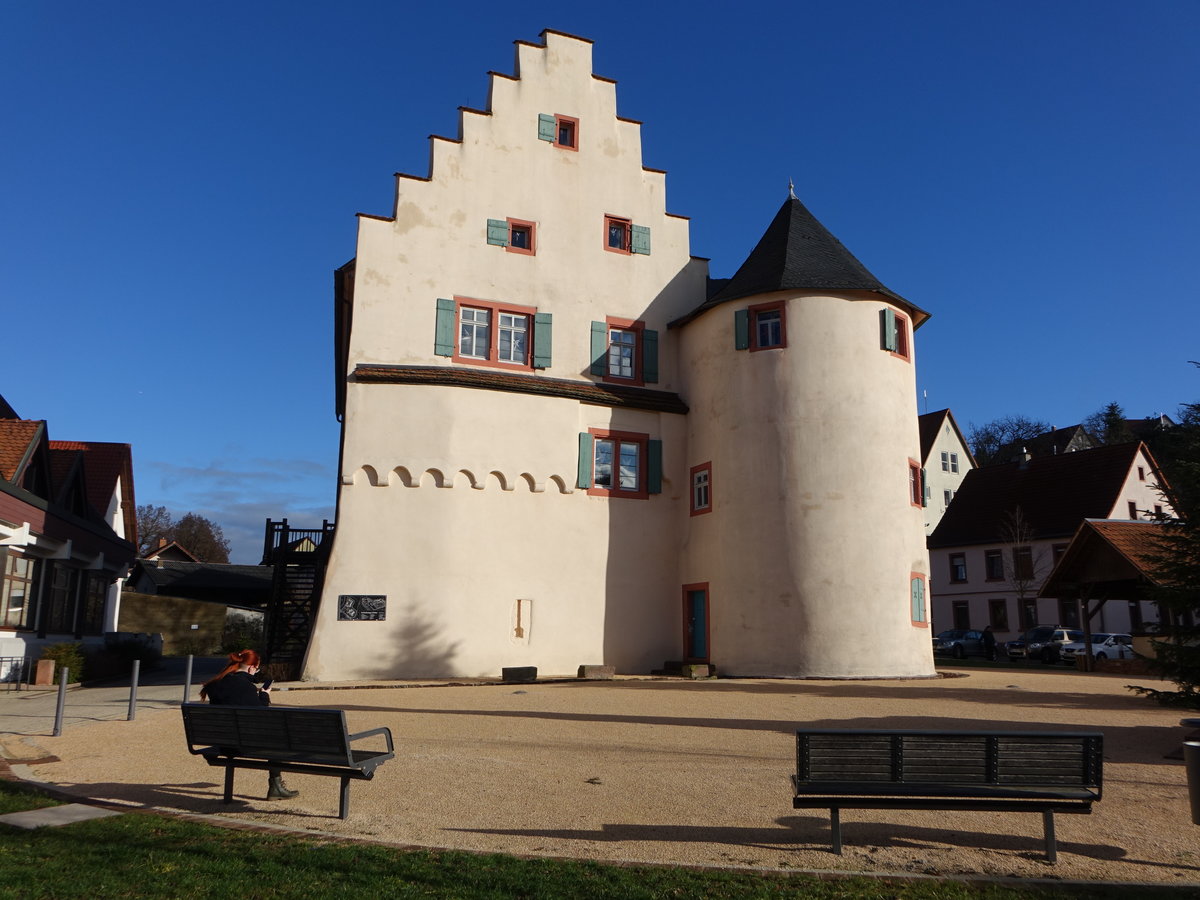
627, 224
531, 227
559, 121
702, 510
619, 437
494, 333
903, 342
916, 490
755, 311
636, 326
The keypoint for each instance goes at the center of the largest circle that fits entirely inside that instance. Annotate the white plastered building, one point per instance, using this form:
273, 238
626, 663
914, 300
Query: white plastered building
563, 444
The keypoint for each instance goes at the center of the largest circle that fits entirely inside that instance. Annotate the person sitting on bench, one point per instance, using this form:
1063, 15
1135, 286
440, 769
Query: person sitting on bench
235, 686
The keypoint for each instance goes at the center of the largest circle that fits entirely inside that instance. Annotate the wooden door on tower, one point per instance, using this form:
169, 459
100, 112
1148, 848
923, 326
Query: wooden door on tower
695, 623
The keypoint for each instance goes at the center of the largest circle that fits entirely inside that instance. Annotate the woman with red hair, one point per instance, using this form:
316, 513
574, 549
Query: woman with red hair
235, 686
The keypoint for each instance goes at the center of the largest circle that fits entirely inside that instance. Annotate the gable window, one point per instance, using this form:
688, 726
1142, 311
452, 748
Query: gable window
993, 565
958, 567
622, 236
616, 234
893, 327
561, 131
917, 593
515, 235
1133, 513
624, 351
619, 464
702, 489
481, 332
916, 491
1141, 473
947, 496
949, 462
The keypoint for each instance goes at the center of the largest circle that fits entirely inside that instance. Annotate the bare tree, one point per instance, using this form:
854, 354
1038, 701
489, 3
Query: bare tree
1024, 567
196, 534
153, 522
986, 440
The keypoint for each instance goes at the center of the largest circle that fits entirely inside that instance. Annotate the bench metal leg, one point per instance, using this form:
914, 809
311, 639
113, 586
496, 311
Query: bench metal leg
1051, 846
229, 784
344, 808
835, 826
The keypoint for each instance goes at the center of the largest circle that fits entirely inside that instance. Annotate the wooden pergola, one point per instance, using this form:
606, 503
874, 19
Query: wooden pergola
1106, 560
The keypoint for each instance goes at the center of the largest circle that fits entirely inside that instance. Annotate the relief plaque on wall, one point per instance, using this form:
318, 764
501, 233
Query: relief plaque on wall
362, 607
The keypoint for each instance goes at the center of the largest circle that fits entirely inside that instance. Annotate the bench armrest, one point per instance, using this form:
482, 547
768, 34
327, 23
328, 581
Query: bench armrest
386, 732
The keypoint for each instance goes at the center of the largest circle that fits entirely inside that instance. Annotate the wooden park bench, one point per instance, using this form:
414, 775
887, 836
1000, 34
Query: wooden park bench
288, 738
1044, 772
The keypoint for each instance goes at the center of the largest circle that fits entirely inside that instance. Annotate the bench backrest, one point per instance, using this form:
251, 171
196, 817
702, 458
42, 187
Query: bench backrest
273, 731
1012, 759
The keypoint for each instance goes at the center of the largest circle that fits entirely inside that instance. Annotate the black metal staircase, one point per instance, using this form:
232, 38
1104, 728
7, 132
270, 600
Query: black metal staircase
299, 557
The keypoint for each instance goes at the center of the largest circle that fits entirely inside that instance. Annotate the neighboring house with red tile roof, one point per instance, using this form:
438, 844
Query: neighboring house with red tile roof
1010, 524
945, 461
67, 533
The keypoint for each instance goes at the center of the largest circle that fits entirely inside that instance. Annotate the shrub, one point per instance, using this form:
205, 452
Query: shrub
65, 656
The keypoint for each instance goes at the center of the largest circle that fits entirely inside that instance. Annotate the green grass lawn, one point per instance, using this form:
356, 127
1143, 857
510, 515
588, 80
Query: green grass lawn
148, 855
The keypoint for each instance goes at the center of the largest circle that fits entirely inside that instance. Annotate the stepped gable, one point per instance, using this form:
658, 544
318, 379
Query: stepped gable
798, 253
1054, 493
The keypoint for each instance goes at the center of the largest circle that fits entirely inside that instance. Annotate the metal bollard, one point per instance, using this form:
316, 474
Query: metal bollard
62, 700
133, 683
1191, 759
187, 680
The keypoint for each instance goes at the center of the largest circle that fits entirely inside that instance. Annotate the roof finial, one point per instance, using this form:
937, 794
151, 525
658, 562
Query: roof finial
792, 190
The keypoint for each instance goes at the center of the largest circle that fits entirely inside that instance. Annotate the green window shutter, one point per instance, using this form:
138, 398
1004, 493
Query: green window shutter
741, 329
918, 600
583, 479
639, 239
925, 491
546, 127
654, 467
887, 325
443, 340
541, 340
497, 232
650, 356
599, 348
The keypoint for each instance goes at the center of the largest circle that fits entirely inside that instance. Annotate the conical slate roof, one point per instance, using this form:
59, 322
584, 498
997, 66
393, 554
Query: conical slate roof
798, 253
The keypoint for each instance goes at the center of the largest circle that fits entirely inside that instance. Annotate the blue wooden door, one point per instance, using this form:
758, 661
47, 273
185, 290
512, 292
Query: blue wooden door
695, 624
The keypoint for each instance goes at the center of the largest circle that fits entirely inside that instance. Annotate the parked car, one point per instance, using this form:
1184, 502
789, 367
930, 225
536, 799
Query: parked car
959, 643
1104, 646
1043, 642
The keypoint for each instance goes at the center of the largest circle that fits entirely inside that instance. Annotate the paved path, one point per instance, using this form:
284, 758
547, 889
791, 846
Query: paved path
650, 770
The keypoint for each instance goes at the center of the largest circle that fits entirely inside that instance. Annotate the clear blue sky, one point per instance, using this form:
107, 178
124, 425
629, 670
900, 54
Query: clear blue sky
178, 182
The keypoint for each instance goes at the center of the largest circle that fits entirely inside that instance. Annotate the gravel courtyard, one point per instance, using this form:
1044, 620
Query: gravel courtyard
670, 771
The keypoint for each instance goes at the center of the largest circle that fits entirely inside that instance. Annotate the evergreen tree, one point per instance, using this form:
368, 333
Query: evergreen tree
1177, 566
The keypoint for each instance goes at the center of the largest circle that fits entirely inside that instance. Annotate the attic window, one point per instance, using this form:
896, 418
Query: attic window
561, 131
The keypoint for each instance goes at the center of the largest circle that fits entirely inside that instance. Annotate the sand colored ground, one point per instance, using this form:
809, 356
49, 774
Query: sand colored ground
669, 771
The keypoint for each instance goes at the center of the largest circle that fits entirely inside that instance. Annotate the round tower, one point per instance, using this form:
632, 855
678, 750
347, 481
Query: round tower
807, 551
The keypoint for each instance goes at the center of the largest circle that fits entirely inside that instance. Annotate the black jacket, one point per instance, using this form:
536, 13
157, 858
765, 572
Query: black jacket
237, 689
